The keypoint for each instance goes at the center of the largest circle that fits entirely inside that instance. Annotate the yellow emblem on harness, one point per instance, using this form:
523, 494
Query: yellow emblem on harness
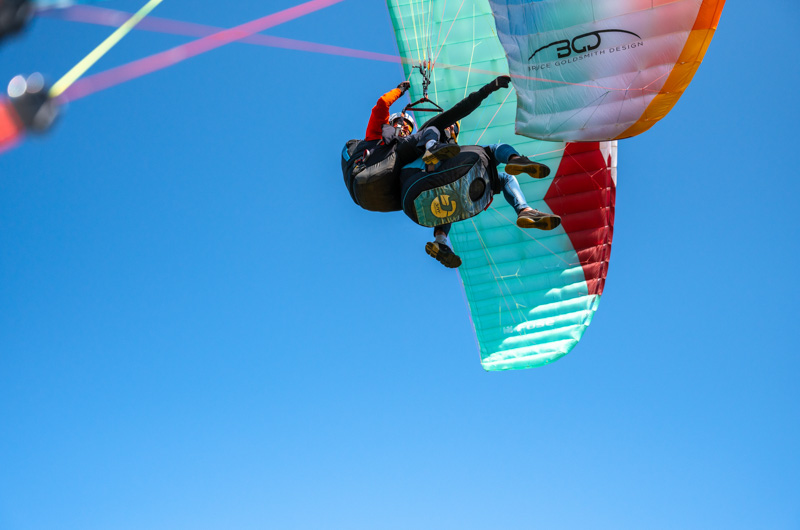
443, 206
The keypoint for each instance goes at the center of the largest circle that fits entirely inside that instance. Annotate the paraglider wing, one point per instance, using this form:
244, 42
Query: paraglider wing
587, 70
531, 294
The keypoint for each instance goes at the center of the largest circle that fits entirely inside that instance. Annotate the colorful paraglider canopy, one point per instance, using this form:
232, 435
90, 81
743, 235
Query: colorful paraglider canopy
586, 70
531, 294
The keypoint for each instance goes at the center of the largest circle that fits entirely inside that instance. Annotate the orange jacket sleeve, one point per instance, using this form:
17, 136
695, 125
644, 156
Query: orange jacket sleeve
380, 114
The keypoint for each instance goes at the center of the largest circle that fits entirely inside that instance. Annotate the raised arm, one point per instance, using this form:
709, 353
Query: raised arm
463, 108
380, 112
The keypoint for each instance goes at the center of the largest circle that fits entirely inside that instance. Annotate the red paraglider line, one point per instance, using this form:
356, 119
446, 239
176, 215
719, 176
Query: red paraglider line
180, 53
113, 18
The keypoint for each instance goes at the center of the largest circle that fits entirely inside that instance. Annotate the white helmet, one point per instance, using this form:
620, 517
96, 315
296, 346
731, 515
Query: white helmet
403, 115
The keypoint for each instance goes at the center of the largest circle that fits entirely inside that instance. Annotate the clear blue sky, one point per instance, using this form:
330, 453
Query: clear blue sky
199, 330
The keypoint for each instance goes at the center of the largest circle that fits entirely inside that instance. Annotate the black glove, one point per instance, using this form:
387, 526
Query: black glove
503, 81
497, 84
405, 85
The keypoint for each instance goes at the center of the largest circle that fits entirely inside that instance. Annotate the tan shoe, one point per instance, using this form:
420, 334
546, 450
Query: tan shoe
530, 218
440, 152
443, 255
523, 164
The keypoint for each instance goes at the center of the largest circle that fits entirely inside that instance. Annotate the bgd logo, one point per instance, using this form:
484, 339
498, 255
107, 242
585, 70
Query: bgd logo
581, 44
440, 206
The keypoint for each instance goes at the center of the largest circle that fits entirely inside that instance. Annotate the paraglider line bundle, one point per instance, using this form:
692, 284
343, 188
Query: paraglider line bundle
425, 68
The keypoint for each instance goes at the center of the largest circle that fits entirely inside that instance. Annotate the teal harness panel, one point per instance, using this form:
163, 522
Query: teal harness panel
453, 202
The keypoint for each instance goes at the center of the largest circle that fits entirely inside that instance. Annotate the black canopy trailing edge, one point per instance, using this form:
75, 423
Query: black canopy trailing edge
425, 68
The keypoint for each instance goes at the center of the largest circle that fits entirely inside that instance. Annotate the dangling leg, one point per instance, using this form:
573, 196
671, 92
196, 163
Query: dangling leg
441, 249
515, 163
527, 217
522, 164
436, 152
427, 145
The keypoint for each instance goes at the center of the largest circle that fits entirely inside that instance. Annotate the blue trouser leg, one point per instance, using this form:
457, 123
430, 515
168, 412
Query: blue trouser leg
512, 192
501, 153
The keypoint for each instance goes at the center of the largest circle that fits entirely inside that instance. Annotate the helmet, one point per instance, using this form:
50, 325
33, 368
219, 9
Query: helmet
404, 115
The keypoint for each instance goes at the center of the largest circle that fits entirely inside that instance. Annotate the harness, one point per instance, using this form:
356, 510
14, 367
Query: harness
459, 188
370, 167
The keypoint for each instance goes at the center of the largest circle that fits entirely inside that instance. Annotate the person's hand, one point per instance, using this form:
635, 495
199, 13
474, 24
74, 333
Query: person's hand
405, 85
501, 82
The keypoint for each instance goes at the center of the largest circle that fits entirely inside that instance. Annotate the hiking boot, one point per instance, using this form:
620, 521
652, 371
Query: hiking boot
443, 254
440, 152
522, 164
530, 218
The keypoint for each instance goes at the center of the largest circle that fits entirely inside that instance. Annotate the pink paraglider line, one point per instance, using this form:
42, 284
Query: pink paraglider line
112, 18
159, 61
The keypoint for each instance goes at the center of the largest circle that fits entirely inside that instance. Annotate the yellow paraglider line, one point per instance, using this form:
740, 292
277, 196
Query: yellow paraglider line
87, 62
429, 45
159, 61
90, 15
439, 36
472, 53
513, 307
99, 16
529, 236
435, 85
441, 45
405, 37
414, 25
424, 29
477, 142
498, 278
469, 314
